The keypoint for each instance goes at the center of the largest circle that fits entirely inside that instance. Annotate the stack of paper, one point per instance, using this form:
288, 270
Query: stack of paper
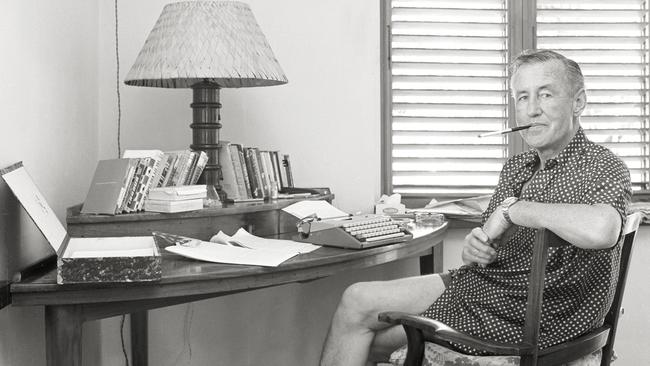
322, 209
465, 208
241, 248
175, 199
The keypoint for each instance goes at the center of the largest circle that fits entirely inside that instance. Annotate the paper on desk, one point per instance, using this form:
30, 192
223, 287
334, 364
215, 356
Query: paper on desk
251, 241
321, 208
241, 248
465, 207
219, 253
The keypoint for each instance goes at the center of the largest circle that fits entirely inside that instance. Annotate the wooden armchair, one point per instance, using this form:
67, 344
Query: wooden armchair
421, 330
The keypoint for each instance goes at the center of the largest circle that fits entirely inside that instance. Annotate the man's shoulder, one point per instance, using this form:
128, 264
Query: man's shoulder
602, 156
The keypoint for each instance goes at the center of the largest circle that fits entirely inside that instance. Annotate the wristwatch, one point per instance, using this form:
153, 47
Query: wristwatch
505, 207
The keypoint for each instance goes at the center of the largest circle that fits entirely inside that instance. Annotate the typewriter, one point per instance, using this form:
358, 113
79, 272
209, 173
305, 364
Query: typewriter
354, 231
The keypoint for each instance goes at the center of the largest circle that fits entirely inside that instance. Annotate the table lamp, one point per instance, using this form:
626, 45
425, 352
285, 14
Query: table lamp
206, 46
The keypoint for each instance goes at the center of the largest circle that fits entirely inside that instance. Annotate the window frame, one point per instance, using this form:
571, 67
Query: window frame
521, 26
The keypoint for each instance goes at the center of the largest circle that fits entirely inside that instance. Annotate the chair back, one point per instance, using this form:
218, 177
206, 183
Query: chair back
546, 239
611, 319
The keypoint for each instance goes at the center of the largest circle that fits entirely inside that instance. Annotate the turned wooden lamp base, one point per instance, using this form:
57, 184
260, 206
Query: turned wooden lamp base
206, 123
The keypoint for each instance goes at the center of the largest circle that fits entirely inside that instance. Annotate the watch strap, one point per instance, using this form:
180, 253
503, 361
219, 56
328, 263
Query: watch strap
505, 208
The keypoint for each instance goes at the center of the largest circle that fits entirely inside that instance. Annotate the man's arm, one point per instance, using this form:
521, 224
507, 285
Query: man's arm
594, 226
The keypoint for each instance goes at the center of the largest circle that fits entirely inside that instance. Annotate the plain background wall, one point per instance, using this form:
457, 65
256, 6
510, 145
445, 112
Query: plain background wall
48, 119
58, 114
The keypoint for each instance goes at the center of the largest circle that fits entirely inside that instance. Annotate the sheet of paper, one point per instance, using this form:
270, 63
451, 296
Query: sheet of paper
473, 206
32, 200
219, 253
322, 209
255, 242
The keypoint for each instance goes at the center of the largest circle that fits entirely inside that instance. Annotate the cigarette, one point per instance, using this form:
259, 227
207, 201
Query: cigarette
507, 130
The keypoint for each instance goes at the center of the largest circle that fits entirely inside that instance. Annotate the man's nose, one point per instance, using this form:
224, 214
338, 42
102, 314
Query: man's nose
533, 108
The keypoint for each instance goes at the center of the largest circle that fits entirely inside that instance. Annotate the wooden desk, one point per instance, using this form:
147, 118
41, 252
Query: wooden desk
184, 280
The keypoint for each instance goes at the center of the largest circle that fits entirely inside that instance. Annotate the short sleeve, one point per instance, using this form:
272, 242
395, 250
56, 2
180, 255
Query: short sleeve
610, 184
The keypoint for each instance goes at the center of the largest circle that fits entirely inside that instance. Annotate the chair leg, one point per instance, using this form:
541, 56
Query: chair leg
528, 360
606, 356
415, 351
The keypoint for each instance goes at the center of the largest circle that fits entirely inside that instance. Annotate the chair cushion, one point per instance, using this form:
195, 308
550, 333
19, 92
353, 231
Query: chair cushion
436, 355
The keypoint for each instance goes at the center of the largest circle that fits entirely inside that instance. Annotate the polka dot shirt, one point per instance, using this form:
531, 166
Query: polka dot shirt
489, 302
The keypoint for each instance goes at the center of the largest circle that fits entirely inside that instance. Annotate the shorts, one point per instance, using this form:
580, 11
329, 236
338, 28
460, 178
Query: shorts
446, 278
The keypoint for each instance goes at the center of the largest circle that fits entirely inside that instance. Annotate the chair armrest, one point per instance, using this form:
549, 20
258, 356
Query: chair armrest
433, 331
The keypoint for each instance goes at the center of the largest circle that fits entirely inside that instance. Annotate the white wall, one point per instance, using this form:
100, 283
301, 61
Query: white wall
48, 119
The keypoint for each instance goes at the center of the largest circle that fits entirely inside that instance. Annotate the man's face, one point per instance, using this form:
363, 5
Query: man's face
543, 95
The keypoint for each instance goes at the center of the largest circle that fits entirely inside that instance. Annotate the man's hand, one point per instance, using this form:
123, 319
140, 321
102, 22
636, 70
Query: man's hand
477, 248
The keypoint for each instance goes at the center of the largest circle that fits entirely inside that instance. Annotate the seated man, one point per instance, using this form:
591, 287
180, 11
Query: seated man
565, 183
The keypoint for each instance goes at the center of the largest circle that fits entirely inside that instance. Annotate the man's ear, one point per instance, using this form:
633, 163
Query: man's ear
579, 102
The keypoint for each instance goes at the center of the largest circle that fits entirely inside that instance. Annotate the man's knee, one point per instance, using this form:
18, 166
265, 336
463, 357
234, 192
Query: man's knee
357, 303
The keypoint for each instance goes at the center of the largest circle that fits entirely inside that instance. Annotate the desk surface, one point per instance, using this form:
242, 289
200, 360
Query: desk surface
187, 280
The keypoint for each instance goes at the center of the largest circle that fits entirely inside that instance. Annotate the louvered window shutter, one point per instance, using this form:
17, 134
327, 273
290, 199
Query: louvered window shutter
449, 83
609, 39
448, 62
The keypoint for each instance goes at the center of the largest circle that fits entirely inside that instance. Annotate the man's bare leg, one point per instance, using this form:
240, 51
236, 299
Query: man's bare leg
355, 328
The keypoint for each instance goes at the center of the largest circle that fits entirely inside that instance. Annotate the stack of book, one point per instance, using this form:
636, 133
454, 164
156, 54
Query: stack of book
250, 173
175, 199
121, 185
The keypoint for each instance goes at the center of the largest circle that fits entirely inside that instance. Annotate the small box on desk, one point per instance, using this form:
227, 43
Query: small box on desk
92, 259
112, 259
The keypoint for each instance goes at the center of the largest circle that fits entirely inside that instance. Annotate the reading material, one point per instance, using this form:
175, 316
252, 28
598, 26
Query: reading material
241, 248
322, 209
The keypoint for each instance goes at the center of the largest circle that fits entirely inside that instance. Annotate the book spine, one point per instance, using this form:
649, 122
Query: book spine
253, 174
138, 187
259, 171
173, 169
157, 168
125, 186
200, 165
239, 174
193, 159
266, 174
269, 164
278, 168
287, 168
244, 167
130, 193
229, 180
273, 156
164, 170
181, 172
146, 183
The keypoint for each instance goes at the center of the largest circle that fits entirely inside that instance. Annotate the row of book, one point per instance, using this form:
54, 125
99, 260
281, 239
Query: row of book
122, 185
250, 173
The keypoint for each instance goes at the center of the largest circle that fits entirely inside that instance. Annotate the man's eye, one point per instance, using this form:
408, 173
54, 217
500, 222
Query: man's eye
522, 98
545, 95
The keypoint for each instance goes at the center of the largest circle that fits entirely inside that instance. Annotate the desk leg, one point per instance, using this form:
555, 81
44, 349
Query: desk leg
139, 338
63, 335
432, 262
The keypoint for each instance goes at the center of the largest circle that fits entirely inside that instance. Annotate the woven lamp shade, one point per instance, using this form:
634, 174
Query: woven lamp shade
217, 42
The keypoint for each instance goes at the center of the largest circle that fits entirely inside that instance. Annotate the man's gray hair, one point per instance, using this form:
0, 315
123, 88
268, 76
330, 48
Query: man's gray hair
573, 72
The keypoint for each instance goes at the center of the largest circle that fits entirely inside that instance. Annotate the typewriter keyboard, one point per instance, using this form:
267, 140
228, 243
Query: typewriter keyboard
373, 229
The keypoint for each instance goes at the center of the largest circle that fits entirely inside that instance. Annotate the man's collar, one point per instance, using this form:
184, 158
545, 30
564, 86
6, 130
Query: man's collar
575, 147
